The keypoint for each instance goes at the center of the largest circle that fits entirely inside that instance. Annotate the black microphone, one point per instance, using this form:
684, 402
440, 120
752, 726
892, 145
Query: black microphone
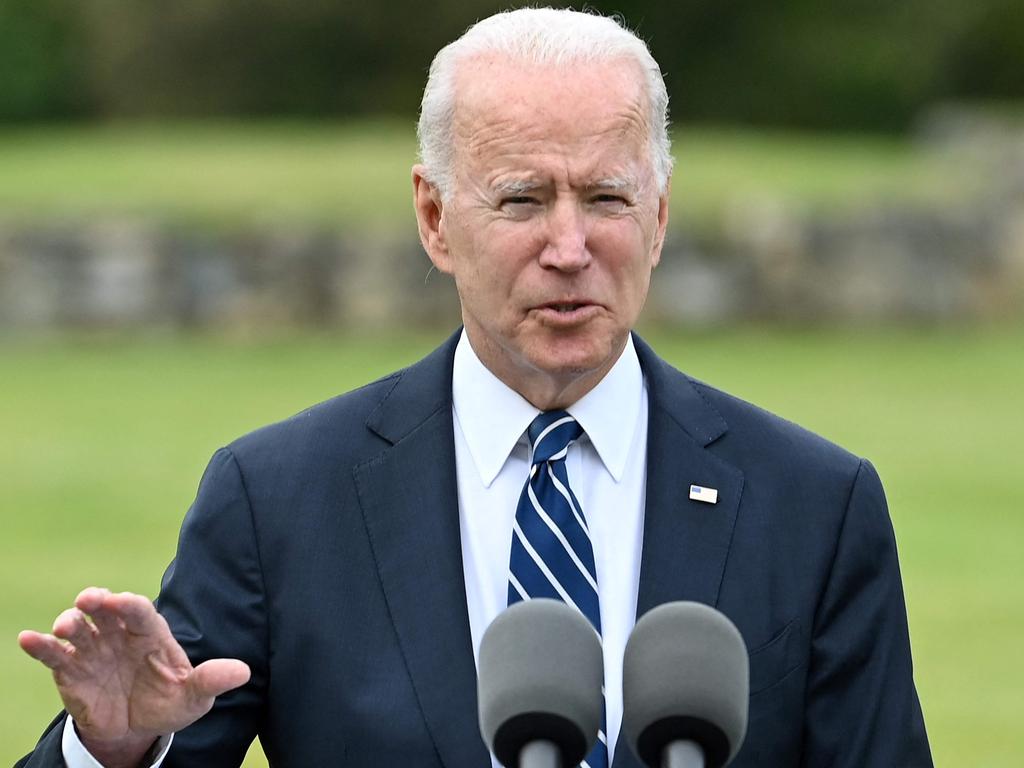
685, 682
539, 685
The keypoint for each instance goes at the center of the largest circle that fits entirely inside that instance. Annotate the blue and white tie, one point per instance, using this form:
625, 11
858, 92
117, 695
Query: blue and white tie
552, 555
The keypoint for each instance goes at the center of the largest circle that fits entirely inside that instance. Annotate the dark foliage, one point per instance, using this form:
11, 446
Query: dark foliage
848, 63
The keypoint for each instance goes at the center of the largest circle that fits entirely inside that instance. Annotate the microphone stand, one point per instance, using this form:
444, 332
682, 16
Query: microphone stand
540, 754
682, 754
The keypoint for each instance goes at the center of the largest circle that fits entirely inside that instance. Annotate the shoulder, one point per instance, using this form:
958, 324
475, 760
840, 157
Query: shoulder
752, 428
347, 429
334, 424
792, 469
745, 435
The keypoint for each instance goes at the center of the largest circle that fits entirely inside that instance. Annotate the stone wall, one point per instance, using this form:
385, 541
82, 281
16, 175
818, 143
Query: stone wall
117, 273
880, 264
764, 261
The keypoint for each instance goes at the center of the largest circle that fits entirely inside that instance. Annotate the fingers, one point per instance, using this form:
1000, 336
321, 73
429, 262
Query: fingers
91, 598
217, 676
44, 648
97, 613
94, 602
137, 612
72, 626
71, 632
113, 612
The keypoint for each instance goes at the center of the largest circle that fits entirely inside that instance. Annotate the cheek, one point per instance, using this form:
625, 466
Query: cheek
504, 257
485, 280
626, 249
628, 270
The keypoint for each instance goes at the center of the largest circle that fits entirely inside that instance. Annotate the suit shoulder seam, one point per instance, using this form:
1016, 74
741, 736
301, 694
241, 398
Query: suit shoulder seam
256, 539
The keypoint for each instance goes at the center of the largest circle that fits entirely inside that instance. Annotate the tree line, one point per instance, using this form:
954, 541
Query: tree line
850, 64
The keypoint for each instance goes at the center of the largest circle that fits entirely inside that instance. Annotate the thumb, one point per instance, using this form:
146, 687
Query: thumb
217, 676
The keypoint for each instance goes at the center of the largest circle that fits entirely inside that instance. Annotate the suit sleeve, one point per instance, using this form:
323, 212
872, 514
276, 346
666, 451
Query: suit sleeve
862, 708
212, 595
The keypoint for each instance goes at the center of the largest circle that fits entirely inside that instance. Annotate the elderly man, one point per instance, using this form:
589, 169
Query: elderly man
337, 570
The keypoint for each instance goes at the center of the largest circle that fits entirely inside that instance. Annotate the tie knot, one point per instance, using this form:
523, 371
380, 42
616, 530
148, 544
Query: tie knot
550, 435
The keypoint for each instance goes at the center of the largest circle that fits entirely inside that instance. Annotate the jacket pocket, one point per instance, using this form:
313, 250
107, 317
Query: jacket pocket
772, 662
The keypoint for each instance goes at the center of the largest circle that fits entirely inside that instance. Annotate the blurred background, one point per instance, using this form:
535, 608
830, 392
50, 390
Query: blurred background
205, 225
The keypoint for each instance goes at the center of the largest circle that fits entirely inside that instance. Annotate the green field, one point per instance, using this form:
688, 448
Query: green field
103, 439
225, 174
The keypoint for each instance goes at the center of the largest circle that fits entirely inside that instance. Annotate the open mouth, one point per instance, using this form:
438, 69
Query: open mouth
563, 312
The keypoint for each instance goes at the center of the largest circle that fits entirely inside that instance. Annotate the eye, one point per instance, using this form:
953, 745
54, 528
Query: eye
609, 201
519, 207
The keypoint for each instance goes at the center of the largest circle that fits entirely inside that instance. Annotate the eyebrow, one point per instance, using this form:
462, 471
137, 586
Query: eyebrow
618, 183
516, 187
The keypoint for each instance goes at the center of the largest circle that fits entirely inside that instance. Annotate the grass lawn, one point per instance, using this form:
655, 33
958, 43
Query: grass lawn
103, 439
357, 174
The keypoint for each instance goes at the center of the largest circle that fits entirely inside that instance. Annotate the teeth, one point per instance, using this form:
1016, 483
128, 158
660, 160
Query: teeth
566, 307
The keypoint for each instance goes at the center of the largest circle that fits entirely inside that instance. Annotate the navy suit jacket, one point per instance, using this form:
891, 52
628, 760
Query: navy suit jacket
324, 551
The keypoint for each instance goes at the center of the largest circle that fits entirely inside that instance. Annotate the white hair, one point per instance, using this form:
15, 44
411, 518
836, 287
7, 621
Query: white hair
538, 36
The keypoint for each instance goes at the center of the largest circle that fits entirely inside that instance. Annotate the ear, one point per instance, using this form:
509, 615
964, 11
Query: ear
430, 219
659, 237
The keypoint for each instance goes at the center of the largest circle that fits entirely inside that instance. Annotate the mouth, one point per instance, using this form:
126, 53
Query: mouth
565, 313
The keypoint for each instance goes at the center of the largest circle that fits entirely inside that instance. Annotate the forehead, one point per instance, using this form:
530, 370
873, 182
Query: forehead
584, 115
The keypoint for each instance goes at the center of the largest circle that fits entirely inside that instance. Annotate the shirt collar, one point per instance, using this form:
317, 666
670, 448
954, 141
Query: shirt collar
493, 417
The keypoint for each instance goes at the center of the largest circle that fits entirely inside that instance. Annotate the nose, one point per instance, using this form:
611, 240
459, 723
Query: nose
566, 247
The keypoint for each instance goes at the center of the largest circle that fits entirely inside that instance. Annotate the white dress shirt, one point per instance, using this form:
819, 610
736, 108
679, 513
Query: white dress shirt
77, 756
607, 470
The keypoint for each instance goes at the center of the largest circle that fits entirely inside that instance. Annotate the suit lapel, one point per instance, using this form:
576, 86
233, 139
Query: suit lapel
686, 542
409, 501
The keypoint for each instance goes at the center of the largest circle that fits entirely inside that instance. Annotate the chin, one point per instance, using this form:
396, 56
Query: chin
572, 359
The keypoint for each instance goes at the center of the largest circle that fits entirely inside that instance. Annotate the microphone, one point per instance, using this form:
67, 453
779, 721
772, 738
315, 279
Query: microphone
685, 682
539, 683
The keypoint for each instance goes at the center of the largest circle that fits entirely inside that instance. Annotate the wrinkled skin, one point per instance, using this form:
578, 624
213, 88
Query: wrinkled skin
123, 677
555, 222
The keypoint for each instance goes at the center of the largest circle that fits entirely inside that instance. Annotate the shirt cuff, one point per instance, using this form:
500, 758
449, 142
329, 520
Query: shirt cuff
77, 756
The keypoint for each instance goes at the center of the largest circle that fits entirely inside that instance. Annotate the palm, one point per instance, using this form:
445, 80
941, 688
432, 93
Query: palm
129, 683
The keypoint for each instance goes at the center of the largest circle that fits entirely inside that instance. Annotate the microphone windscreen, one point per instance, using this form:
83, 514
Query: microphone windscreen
540, 676
685, 676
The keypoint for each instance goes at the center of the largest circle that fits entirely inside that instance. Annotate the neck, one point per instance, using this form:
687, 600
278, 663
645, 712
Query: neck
546, 390
551, 393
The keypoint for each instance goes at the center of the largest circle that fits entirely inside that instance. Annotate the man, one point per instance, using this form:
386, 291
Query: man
337, 570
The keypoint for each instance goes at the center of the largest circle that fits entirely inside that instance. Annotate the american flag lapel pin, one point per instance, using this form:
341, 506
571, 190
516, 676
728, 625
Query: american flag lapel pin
707, 495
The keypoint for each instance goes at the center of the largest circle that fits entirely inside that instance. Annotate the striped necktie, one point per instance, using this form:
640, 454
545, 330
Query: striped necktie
552, 555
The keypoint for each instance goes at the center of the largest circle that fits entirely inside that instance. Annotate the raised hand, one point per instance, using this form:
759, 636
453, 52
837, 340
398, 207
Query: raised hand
123, 677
